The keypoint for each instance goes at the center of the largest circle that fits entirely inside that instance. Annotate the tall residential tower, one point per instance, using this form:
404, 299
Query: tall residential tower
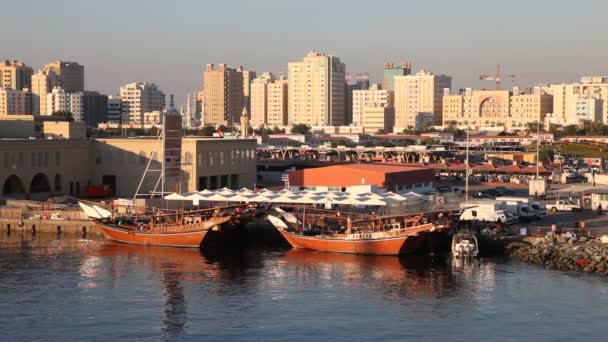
317, 90
223, 95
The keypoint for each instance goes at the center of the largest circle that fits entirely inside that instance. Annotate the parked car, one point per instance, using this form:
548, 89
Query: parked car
563, 205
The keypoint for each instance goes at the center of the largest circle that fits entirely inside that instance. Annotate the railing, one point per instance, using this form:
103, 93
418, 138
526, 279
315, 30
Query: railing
10, 213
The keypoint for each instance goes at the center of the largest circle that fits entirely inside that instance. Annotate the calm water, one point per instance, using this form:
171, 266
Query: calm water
88, 290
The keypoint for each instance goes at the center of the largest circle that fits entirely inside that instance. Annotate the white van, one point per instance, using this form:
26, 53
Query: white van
487, 215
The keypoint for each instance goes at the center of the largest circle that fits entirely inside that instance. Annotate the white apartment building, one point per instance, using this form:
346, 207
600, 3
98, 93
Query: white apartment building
58, 100
140, 98
566, 96
587, 108
419, 99
317, 90
375, 96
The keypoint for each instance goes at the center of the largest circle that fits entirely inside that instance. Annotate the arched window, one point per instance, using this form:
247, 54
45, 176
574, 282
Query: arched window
40, 183
13, 186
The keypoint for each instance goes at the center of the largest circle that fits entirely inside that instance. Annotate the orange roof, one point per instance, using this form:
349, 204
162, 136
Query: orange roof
358, 174
383, 168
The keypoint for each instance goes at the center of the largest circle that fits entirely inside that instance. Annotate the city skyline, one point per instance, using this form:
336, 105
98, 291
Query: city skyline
544, 41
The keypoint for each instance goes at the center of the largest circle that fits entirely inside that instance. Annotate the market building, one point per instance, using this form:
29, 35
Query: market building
356, 178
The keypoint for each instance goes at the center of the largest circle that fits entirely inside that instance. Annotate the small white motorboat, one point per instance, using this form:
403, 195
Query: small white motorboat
464, 245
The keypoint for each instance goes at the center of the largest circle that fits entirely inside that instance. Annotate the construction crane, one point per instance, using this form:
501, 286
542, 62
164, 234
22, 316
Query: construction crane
496, 77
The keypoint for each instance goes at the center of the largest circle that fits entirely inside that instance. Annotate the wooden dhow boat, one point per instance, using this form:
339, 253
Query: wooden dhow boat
180, 229
339, 232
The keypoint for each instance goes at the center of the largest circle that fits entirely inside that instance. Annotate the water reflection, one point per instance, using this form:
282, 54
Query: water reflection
178, 293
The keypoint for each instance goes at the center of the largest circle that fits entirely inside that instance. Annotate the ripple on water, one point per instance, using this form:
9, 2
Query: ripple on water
75, 289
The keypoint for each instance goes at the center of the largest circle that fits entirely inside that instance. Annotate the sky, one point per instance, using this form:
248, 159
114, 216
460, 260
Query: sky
170, 42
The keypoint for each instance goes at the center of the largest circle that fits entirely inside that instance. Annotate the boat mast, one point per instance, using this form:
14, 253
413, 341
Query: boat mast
143, 176
466, 175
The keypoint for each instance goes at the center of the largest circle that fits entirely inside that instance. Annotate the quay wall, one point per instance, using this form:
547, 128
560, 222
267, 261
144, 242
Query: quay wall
49, 226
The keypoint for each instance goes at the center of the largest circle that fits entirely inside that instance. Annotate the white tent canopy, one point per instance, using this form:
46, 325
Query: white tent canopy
302, 197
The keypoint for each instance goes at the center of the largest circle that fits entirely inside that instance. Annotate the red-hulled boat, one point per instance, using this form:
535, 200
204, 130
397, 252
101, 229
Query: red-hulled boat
175, 235
180, 229
387, 235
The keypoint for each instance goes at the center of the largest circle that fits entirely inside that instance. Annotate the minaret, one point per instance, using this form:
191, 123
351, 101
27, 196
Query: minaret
244, 124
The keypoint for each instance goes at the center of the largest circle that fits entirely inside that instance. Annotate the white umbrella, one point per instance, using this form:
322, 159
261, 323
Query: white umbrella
225, 190
215, 198
196, 196
372, 201
175, 196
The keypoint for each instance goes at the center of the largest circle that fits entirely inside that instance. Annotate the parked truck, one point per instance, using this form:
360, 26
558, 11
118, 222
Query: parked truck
563, 205
526, 208
537, 187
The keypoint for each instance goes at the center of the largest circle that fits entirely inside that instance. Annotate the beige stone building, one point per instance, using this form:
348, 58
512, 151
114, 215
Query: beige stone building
15, 102
259, 99
375, 96
278, 102
70, 75
223, 95
15, 75
64, 130
40, 167
248, 77
269, 101
419, 99
490, 108
378, 119
140, 98
317, 91
43, 83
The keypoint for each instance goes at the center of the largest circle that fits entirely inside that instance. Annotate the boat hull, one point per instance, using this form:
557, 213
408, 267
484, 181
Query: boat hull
190, 239
388, 246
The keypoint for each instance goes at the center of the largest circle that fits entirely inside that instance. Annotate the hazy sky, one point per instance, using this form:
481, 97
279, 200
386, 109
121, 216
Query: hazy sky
169, 42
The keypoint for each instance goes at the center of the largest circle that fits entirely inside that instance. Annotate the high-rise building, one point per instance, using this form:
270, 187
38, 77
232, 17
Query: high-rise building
15, 102
565, 97
140, 98
58, 100
199, 106
268, 101
70, 75
360, 83
317, 90
277, 102
15, 75
223, 95
419, 100
259, 99
391, 70
43, 83
248, 77
491, 108
95, 108
114, 109
375, 96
